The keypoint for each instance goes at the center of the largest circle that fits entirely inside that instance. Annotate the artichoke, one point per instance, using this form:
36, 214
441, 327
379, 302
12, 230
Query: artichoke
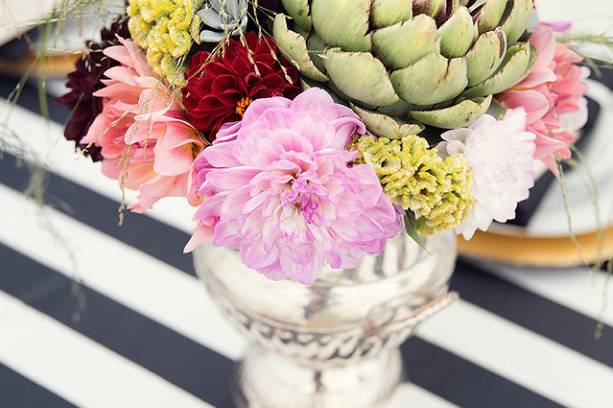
402, 64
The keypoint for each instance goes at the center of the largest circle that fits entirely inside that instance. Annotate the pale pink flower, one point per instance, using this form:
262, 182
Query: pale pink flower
279, 186
146, 143
553, 96
500, 156
560, 26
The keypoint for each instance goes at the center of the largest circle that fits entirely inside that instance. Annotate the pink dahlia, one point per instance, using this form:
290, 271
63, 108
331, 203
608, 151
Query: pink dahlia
279, 186
553, 97
145, 141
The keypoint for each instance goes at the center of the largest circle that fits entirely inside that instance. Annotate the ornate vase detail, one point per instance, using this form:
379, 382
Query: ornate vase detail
333, 343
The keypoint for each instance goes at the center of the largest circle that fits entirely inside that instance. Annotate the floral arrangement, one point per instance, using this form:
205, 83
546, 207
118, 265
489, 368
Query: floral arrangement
309, 132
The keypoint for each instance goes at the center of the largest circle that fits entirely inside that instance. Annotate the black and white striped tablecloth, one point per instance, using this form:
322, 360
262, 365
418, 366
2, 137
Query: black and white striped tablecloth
140, 331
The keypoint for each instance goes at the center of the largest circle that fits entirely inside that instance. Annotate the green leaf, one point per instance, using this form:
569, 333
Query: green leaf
386, 126
456, 116
343, 23
360, 76
300, 11
294, 47
497, 110
410, 225
431, 80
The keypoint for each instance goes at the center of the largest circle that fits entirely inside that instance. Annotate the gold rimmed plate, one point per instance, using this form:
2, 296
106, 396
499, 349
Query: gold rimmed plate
547, 240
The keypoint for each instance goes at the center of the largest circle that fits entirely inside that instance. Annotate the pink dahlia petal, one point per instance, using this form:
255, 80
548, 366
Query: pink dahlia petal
260, 106
558, 26
145, 141
552, 95
543, 40
299, 203
534, 103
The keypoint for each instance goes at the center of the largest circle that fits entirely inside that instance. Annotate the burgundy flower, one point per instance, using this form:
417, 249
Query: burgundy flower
84, 81
219, 91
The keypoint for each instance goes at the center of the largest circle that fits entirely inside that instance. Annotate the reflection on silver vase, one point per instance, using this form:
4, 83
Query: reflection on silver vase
334, 343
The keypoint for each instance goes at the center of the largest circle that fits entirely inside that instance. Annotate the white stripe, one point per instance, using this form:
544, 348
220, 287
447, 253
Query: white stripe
581, 289
47, 141
77, 368
410, 395
531, 360
120, 272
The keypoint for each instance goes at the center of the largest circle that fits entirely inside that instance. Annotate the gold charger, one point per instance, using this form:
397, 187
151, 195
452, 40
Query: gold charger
521, 249
56, 65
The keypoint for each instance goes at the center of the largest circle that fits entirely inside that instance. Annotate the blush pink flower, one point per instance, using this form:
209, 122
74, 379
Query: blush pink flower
146, 143
553, 97
279, 186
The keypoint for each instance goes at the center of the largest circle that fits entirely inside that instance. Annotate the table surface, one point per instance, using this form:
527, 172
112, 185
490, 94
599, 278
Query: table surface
94, 314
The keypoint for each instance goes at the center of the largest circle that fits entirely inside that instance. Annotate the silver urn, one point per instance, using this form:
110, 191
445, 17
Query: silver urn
336, 342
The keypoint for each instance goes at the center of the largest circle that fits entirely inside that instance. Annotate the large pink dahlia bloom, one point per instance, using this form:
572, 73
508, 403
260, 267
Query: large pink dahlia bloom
146, 142
279, 187
553, 97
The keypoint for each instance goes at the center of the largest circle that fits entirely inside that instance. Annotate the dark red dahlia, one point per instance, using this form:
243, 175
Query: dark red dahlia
219, 91
85, 80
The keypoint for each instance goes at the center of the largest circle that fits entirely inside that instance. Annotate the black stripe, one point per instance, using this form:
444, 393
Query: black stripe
540, 315
149, 344
29, 99
155, 238
17, 391
462, 382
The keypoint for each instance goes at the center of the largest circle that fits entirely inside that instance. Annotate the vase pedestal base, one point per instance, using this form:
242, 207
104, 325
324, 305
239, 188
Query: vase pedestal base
268, 380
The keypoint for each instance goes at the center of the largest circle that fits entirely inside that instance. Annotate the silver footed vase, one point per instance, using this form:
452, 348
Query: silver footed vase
336, 342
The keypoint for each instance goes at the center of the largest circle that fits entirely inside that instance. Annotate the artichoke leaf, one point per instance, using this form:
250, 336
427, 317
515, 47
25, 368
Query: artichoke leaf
360, 76
491, 14
343, 23
431, 80
299, 10
400, 109
389, 12
403, 44
457, 34
316, 47
486, 56
386, 126
515, 67
294, 47
517, 21
433, 8
460, 115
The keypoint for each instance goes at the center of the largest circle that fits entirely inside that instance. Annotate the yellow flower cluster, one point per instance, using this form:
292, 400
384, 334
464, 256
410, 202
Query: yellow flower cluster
165, 29
418, 179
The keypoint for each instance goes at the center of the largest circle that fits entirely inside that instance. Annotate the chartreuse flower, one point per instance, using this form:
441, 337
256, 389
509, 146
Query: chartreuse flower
414, 177
166, 29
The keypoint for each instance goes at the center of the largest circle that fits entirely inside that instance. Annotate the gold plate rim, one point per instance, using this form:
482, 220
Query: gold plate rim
540, 251
54, 65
